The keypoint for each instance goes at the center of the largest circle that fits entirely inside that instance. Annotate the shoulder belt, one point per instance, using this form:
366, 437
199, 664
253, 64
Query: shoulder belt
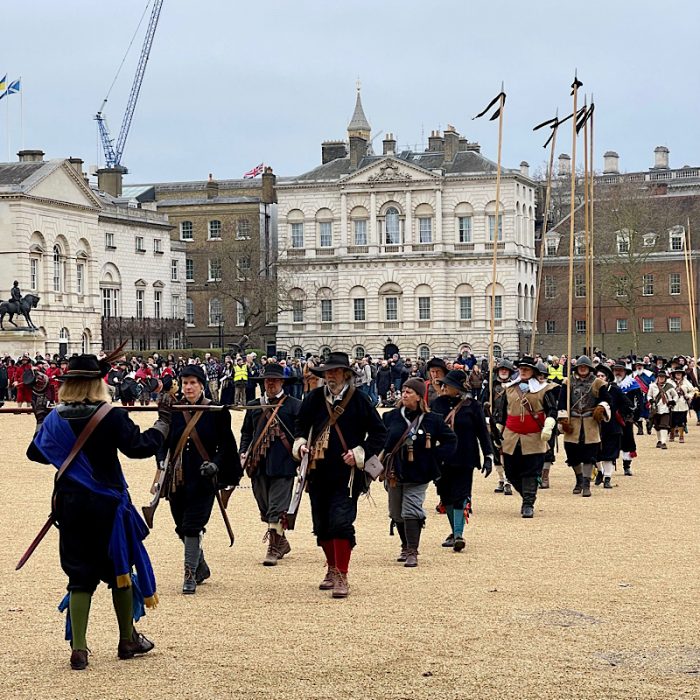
524, 402
450, 417
190, 431
269, 423
335, 413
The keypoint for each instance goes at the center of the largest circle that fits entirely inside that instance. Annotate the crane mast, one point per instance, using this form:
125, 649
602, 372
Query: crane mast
113, 153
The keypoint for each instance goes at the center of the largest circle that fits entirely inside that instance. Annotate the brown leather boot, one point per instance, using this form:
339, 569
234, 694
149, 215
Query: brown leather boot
341, 588
329, 581
272, 551
586, 491
79, 659
283, 546
136, 646
411, 558
545, 478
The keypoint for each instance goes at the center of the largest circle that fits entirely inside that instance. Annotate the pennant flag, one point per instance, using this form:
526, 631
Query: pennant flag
13, 87
583, 118
497, 113
254, 172
576, 84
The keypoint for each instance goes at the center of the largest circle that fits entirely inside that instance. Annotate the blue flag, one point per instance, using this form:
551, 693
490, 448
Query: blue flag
13, 87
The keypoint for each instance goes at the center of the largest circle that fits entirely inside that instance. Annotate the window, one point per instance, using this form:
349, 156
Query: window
358, 308
498, 308
297, 311
360, 231
423, 353
57, 270
552, 245
579, 245
325, 234
297, 352
243, 267
492, 226
497, 351
676, 236
157, 303
392, 226
623, 242
157, 245
674, 324
359, 352
214, 270
140, 247
215, 230
648, 285
465, 229
326, 310
465, 308
189, 312
550, 287
391, 304
110, 302
109, 241
579, 286
297, 235
174, 270
647, 325
175, 306
80, 278
215, 315
139, 303
581, 326
33, 273
425, 230
424, 308
550, 327
674, 283
186, 231
621, 325
243, 229
241, 312
189, 270
622, 286
649, 239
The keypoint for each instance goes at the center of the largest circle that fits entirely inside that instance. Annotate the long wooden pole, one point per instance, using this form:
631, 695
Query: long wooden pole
688, 283
569, 338
688, 255
543, 244
492, 363
591, 257
587, 241
692, 288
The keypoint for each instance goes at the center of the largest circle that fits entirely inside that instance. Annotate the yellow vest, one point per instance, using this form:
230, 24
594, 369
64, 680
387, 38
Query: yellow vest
240, 373
556, 373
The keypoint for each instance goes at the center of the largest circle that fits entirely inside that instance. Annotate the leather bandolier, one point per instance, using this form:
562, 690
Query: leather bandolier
271, 431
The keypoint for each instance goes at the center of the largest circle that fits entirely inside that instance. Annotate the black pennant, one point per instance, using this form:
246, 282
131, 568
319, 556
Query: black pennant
576, 84
582, 119
497, 113
555, 123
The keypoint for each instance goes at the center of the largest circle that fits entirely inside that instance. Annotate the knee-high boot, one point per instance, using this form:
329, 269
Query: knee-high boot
413, 529
192, 554
529, 496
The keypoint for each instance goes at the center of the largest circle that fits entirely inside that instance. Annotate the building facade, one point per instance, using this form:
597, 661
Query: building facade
393, 253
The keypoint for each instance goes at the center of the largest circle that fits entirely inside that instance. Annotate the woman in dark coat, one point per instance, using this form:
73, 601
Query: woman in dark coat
466, 418
100, 532
611, 431
417, 443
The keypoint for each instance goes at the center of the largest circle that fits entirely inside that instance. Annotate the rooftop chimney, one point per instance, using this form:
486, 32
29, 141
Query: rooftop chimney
611, 163
269, 193
358, 150
661, 157
31, 156
451, 143
332, 150
525, 168
463, 144
564, 164
436, 142
212, 187
77, 165
109, 180
389, 144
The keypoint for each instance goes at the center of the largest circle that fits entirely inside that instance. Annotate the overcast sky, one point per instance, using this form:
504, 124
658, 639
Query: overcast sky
230, 84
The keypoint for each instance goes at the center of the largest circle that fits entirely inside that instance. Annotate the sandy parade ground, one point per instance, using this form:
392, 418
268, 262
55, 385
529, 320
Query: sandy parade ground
594, 598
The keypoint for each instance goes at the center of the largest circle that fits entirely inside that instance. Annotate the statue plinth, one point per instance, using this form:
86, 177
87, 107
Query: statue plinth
17, 341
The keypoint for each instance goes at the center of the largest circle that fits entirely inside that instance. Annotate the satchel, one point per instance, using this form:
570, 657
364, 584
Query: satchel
373, 467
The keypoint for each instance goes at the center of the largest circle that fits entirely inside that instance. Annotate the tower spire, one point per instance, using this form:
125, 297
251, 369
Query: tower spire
359, 126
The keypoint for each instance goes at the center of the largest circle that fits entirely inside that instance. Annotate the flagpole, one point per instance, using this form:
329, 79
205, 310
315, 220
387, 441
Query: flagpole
7, 99
543, 243
575, 86
587, 251
591, 259
21, 111
492, 363
688, 253
692, 289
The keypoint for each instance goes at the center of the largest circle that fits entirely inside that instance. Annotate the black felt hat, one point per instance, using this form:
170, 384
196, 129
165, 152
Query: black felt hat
436, 362
272, 370
527, 361
336, 360
85, 367
194, 371
606, 370
456, 378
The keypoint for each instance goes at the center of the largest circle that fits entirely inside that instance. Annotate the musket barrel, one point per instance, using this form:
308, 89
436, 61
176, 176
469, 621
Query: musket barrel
154, 407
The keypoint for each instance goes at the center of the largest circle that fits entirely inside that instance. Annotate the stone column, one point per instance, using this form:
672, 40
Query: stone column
343, 224
438, 238
408, 223
373, 241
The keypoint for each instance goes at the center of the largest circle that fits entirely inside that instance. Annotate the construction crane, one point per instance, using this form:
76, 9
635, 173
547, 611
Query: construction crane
113, 152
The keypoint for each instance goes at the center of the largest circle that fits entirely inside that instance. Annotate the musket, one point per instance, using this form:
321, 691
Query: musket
291, 515
175, 407
158, 489
224, 515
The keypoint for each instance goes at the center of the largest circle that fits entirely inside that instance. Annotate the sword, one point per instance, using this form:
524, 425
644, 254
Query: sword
224, 515
35, 543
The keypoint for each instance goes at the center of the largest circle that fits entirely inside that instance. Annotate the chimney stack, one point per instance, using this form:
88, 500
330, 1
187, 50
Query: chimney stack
451, 143
389, 144
611, 163
109, 180
463, 143
269, 193
31, 156
661, 158
77, 165
564, 164
358, 150
212, 188
332, 150
525, 168
435, 142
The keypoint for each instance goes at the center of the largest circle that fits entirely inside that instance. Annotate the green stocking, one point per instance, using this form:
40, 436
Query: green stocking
79, 609
123, 599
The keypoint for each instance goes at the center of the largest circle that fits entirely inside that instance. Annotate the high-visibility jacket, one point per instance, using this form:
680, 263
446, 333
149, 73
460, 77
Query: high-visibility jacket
240, 373
556, 374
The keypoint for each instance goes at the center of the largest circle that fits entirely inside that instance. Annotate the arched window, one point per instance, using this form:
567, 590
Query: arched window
325, 352
359, 216
424, 214
497, 351
297, 352
295, 222
358, 297
464, 214
58, 270
424, 301
215, 230
390, 299
359, 352
189, 312
499, 301
464, 295
491, 220
423, 352
325, 299
392, 227
324, 219
86, 341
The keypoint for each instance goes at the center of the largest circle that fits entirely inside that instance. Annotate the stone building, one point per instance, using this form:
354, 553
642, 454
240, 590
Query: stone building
228, 230
393, 252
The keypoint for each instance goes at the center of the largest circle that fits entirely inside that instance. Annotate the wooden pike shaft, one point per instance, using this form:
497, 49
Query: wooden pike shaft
693, 314
543, 244
492, 363
177, 407
591, 255
687, 257
587, 241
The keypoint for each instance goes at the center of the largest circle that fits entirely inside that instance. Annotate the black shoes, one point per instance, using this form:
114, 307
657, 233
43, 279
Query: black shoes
189, 585
79, 659
527, 511
137, 645
459, 544
606, 483
599, 478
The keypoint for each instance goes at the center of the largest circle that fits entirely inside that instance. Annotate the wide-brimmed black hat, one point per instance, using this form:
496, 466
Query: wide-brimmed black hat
272, 371
38, 381
336, 360
622, 364
194, 371
85, 367
456, 378
605, 369
436, 362
542, 368
662, 373
678, 369
527, 361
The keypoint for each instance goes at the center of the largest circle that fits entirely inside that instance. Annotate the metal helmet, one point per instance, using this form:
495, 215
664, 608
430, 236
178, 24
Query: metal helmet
505, 364
584, 361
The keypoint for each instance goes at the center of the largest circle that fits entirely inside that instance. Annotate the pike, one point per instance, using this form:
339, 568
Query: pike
17, 410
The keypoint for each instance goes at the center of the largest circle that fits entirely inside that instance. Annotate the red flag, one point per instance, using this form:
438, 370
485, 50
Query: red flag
254, 172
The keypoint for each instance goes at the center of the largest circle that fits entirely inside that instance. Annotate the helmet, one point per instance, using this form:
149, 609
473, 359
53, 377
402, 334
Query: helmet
584, 361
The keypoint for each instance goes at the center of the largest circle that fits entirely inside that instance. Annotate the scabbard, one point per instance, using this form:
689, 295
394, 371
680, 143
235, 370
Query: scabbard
35, 542
224, 515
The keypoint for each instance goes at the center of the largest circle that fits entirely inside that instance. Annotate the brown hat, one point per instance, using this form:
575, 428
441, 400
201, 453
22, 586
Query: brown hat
415, 384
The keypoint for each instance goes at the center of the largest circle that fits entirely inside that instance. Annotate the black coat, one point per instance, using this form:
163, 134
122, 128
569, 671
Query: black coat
278, 461
426, 460
360, 424
470, 428
383, 380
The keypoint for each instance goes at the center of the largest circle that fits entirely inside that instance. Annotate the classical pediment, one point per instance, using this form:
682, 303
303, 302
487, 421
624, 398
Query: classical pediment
389, 170
62, 184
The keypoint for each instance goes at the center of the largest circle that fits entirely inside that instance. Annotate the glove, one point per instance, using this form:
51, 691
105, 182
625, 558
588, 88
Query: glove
208, 469
548, 429
599, 414
565, 425
165, 411
40, 406
487, 467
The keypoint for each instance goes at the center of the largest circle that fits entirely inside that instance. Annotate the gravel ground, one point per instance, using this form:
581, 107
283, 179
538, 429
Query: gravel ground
594, 598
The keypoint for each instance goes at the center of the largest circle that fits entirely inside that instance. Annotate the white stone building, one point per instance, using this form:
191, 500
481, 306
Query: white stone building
390, 253
78, 250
